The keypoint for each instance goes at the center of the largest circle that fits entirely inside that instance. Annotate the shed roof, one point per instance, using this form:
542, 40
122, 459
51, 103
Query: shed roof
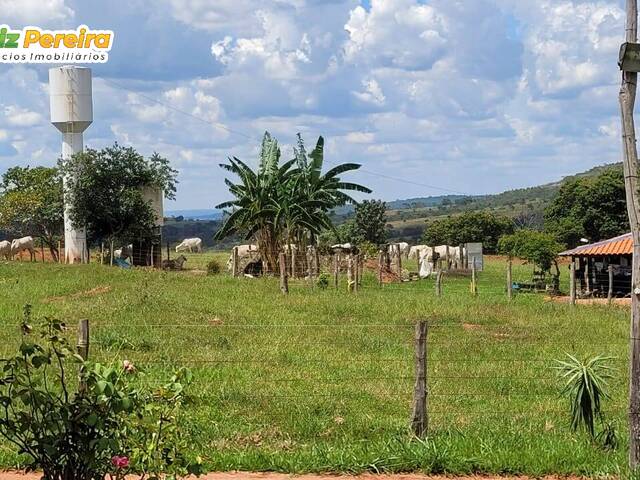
622, 245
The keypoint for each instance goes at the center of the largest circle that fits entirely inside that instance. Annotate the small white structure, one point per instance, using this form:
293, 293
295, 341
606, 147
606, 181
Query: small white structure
70, 95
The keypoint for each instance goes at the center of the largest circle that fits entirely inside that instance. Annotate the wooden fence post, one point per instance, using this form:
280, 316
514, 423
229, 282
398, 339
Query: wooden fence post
82, 347
284, 282
474, 280
111, 253
509, 280
234, 262
168, 252
399, 272
336, 268
294, 268
350, 272
572, 282
610, 292
439, 283
60, 252
101, 253
380, 266
420, 416
356, 272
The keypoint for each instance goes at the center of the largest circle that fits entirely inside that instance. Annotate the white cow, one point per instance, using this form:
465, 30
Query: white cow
425, 260
414, 252
21, 244
403, 247
191, 245
124, 252
5, 249
243, 252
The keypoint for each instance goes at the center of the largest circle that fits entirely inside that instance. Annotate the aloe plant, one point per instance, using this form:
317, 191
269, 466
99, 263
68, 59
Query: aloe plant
585, 385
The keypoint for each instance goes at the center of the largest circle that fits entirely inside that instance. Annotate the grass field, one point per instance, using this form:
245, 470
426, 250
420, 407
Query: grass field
323, 380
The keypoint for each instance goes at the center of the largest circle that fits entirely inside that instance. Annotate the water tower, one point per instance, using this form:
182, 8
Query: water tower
71, 113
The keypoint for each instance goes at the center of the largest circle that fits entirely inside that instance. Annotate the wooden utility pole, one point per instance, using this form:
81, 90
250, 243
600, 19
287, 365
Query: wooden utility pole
630, 164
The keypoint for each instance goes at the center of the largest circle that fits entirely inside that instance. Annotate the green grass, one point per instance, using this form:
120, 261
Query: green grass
323, 380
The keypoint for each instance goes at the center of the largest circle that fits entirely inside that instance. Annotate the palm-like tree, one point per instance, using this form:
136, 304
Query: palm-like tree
279, 204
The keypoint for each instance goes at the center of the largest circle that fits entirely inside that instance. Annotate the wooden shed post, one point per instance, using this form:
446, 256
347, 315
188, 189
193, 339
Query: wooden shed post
610, 291
572, 281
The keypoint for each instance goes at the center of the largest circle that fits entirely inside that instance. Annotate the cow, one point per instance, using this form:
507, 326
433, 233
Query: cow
414, 252
403, 247
243, 251
5, 249
124, 252
190, 245
21, 244
175, 264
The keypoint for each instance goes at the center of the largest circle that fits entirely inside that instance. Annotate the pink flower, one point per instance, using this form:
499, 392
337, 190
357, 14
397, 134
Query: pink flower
120, 462
128, 366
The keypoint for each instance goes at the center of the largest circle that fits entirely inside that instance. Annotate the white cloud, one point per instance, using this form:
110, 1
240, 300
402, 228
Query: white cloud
360, 137
27, 12
16, 116
372, 92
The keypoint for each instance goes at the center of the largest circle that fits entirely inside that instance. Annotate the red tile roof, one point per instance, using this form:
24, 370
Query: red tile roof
622, 245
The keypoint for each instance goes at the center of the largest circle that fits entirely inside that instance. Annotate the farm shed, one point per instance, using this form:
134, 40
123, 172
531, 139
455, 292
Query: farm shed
592, 263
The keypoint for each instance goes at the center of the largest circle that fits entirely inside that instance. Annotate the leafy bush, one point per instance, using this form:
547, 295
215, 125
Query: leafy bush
75, 419
536, 247
323, 281
585, 385
213, 267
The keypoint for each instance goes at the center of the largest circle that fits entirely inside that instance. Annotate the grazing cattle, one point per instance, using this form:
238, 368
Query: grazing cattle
414, 252
190, 245
402, 246
425, 260
5, 249
21, 244
244, 251
175, 264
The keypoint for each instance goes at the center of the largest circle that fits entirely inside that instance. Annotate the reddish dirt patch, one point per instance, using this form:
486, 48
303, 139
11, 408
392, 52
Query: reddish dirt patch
102, 289
387, 275
623, 302
281, 476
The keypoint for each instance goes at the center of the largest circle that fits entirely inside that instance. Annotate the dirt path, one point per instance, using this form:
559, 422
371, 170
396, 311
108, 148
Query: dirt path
279, 476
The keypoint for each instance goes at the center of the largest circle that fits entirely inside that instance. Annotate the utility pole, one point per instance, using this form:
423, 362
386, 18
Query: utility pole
630, 163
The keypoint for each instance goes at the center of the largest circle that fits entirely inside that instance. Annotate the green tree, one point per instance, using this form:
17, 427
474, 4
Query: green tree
539, 248
476, 226
284, 203
31, 203
371, 221
105, 191
591, 207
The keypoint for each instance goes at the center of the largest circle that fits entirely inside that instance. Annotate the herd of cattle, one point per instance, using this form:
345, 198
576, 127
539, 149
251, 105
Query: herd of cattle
428, 257
8, 250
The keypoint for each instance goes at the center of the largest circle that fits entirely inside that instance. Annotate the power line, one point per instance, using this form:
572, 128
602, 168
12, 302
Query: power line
249, 137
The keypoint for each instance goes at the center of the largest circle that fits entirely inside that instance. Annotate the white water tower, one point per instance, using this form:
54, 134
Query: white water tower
71, 103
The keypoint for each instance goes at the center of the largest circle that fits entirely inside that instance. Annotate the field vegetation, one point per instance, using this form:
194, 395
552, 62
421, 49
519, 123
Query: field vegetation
322, 380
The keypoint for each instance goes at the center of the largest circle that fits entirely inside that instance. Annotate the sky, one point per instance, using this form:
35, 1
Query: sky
430, 96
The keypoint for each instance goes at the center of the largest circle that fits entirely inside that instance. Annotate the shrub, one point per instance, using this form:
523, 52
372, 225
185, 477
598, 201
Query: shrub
323, 281
213, 267
75, 419
585, 385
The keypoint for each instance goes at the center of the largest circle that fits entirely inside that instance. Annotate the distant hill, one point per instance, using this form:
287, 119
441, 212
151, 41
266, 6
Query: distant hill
203, 214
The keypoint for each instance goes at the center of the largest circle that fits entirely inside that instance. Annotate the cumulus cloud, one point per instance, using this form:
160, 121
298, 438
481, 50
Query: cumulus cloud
16, 116
27, 12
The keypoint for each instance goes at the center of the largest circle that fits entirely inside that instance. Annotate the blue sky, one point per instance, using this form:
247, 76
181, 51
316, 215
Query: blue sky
469, 96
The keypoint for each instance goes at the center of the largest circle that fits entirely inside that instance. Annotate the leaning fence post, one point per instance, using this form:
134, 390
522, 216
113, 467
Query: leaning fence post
610, 292
509, 280
572, 282
336, 268
82, 347
420, 416
284, 282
